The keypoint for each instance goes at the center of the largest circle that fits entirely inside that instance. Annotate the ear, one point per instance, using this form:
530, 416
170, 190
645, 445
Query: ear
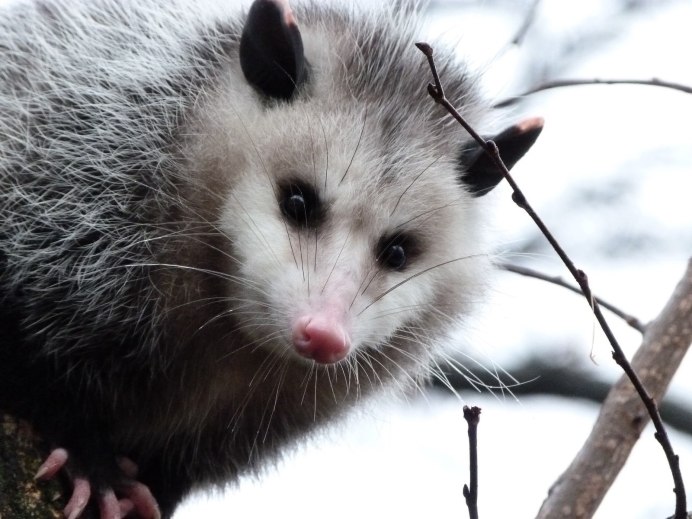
271, 49
479, 172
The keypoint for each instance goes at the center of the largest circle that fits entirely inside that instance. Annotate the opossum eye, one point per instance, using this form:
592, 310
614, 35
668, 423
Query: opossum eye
300, 204
395, 251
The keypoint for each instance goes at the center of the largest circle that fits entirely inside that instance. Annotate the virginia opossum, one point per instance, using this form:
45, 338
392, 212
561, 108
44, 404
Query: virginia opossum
219, 230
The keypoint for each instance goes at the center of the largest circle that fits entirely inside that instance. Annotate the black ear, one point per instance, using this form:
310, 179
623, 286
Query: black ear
479, 172
271, 49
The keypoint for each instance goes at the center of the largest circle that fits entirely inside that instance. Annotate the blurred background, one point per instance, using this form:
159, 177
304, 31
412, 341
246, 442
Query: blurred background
612, 177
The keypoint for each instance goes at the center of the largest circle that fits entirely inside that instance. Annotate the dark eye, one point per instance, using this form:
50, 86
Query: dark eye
299, 204
395, 251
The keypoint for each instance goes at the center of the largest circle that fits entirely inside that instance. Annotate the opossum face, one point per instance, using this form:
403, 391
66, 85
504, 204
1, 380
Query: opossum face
350, 223
342, 246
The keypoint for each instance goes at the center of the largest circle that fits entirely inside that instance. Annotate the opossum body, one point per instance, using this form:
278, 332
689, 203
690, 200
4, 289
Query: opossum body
218, 231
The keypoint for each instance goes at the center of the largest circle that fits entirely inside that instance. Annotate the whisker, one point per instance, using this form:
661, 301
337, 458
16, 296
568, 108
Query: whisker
255, 149
269, 178
360, 138
326, 153
428, 213
411, 184
413, 276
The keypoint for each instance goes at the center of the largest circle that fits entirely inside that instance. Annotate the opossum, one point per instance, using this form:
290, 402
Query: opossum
219, 230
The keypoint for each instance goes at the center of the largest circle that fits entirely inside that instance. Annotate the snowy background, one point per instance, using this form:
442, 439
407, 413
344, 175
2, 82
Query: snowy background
612, 176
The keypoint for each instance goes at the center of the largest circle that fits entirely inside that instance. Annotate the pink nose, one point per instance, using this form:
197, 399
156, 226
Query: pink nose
320, 338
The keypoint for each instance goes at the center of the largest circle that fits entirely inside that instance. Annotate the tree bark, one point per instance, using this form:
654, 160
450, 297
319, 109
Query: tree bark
580, 489
21, 453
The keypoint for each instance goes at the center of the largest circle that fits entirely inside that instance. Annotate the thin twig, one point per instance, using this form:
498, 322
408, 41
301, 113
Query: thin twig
557, 280
437, 93
525, 26
472, 415
561, 83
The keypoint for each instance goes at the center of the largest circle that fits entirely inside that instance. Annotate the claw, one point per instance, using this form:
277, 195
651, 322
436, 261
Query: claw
135, 498
144, 502
126, 507
109, 506
54, 463
80, 497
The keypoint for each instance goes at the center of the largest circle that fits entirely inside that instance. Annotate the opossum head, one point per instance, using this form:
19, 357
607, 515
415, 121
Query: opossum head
350, 199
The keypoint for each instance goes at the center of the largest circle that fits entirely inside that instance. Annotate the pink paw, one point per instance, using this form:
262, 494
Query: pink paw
132, 500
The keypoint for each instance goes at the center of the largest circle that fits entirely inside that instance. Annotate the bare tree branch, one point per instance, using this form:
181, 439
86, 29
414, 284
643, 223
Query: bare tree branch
580, 489
472, 415
556, 280
437, 93
562, 83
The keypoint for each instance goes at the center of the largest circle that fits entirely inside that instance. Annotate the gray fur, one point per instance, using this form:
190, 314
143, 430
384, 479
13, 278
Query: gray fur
133, 164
